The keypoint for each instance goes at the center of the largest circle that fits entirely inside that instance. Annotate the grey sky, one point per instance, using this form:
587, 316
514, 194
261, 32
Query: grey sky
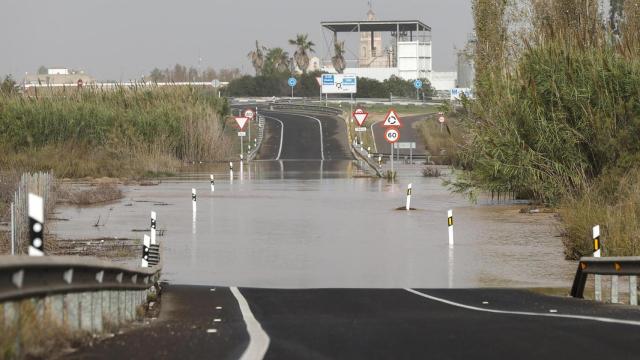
120, 39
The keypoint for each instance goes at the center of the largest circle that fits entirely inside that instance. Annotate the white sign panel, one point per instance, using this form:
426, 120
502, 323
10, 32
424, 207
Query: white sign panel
242, 133
456, 93
242, 122
339, 84
404, 145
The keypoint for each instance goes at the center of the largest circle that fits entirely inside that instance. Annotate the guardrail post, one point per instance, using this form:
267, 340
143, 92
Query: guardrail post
72, 305
633, 290
122, 306
96, 311
55, 308
10, 313
614, 289
85, 311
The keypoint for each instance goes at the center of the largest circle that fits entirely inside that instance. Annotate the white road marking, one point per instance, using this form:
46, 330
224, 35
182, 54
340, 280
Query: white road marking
211, 331
258, 338
373, 136
526, 313
320, 125
217, 320
213, 289
281, 134
218, 307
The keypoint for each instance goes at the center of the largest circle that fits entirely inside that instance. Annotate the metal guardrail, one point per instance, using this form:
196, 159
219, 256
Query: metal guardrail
24, 277
614, 266
304, 107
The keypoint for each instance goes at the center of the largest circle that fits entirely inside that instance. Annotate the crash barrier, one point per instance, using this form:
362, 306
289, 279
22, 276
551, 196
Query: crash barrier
608, 266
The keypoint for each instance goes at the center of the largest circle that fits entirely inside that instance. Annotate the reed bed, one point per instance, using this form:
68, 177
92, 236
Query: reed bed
558, 113
119, 133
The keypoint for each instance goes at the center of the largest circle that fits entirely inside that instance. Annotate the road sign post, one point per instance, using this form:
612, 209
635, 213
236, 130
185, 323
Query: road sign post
418, 85
292, 83
242, 122
392, 135
361, 116
249, 114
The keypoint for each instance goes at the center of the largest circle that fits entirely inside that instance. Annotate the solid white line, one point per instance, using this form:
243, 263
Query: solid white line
319, 124
281, 134
373, 136
258, 339
525, 313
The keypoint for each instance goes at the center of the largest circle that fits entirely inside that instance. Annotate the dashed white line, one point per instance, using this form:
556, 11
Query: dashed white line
526, 313
258, 338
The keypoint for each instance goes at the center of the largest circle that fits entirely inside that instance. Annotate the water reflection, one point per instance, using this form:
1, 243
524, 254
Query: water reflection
298, 224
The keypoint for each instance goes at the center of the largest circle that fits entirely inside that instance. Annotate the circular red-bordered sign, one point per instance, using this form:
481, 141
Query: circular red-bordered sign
392, 135
249, 114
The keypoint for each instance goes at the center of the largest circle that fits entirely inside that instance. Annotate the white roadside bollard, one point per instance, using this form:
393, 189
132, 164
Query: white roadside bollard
146, 244
153, 227
595, 234
231, 171
36, 225
450, 226
213, 183
241, 167
408, 205
193, 203
369, 152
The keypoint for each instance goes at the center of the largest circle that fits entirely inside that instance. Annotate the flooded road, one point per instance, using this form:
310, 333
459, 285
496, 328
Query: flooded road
309, 224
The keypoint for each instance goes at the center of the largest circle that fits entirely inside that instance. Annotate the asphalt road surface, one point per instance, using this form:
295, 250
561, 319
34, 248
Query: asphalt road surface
198, 323
407, 134
290, 136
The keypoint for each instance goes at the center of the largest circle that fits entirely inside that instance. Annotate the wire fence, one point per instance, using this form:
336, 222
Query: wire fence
40, 183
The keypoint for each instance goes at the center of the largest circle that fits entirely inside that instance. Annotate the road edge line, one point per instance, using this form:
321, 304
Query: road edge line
258, 338
524, 313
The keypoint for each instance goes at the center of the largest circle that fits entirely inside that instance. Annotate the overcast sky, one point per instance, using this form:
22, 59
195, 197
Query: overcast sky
121, 39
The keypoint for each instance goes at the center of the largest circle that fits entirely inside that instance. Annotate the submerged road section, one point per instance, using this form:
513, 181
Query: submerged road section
210, 323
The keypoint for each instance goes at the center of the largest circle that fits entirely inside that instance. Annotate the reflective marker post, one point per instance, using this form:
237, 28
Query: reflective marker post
213, 183
146, 245
193, 202
408, 205
36, 225
595, 234
450, 226
153, 227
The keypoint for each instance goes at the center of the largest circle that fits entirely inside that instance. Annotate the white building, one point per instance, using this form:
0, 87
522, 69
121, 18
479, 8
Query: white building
406, 54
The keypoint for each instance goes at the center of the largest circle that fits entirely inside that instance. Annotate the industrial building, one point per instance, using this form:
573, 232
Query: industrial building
401, 48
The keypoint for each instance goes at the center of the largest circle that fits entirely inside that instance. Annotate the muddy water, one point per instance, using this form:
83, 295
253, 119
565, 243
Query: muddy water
300, 224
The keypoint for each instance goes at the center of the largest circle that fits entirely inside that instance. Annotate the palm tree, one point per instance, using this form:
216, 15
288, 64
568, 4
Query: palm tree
338, 59
304, 47
257, 58
278, 59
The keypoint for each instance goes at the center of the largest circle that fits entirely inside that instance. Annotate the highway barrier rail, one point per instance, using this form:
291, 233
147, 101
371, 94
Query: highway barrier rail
609, 266
73, 294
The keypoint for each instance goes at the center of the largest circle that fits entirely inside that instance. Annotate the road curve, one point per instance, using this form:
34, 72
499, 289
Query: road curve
302, 136
407, 134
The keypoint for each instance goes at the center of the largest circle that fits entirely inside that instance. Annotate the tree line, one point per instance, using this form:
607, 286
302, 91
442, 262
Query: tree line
181, 73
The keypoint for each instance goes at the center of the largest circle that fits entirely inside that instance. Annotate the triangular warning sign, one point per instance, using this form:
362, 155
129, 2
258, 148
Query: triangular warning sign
360, 116
392, 119
242, 122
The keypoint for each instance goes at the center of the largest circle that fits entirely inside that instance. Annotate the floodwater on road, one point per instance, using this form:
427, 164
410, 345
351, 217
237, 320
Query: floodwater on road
310, 224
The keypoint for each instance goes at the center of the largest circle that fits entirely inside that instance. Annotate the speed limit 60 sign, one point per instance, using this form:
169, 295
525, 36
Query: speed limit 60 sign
392, 135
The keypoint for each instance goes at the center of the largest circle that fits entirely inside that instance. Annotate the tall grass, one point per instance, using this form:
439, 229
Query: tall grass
442, 140
111, 133
558, 112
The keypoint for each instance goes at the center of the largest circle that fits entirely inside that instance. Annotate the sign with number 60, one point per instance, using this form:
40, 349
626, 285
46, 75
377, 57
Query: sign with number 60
392, 135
